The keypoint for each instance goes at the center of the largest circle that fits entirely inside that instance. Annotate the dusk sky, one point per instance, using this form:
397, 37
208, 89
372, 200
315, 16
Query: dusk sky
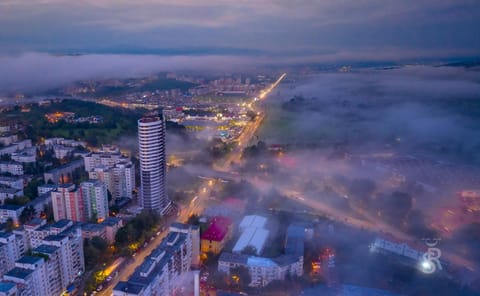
322, 29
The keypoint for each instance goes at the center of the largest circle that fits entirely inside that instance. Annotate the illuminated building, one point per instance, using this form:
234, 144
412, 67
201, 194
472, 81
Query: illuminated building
161, 271
151, 142
68, 203
95, 199
217, 234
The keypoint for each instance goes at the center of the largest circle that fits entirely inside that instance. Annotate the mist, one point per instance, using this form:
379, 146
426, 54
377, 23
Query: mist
39, 72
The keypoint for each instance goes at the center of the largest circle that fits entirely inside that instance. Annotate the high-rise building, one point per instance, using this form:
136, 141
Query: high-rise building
68, 203
81, 203
95, 198
151, 142
54, 262
10, 251
163, 271
115, 170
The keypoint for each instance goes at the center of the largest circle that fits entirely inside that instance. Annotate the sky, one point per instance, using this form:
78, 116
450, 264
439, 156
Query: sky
322, 30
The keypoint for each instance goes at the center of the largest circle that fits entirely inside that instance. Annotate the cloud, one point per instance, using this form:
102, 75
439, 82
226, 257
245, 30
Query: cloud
276, 25
36, 71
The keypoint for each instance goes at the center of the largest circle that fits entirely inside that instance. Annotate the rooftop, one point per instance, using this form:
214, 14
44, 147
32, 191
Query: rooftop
129, 287
149, 119
111, 221
218, 229
253, 221
93, 227
11, 207
252, 236
6, 287
54, 237
233, 258
45, 249
9, 190
60, 224
19, 273
29, 259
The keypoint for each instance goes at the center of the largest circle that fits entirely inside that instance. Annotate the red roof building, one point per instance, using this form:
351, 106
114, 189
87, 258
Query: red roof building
217, 234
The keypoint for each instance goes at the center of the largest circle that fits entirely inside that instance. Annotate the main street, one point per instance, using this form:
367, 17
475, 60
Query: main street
199, 201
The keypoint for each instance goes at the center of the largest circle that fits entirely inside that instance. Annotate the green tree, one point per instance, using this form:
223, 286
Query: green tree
9, 225
193, 220
27, 214
17, 200
99, 243
241, 276
249, 250
31, 189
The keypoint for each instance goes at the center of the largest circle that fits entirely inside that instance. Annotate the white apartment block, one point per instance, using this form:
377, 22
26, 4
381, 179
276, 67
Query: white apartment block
12, 182
160, 272
62, 244
103, 159
11, 249
12, 167
95, 198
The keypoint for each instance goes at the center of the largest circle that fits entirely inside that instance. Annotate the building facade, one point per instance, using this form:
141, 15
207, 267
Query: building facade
160, 272
151, 142
95, 198
68, 203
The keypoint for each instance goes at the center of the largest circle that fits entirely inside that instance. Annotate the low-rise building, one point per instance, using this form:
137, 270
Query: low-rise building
262, 270
12, 182
90, 230
112, 225
253, 234
26, 155
61, 151
11, 167
8, 139
46, 188
6, 192
217, 234
62, 174
11, 212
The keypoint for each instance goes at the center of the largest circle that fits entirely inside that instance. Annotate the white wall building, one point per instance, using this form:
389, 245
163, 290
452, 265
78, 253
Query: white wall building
12, 167
62, 244
95, 198
151, 142
160, 272
11, 249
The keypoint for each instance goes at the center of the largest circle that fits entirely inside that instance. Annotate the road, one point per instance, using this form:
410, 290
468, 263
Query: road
199, 201
249, 130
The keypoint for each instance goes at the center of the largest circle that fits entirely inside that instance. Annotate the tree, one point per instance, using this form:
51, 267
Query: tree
241, 276
17, 200
9, 225
27, 214
31, 189
99, 243
193, 220
249, 250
